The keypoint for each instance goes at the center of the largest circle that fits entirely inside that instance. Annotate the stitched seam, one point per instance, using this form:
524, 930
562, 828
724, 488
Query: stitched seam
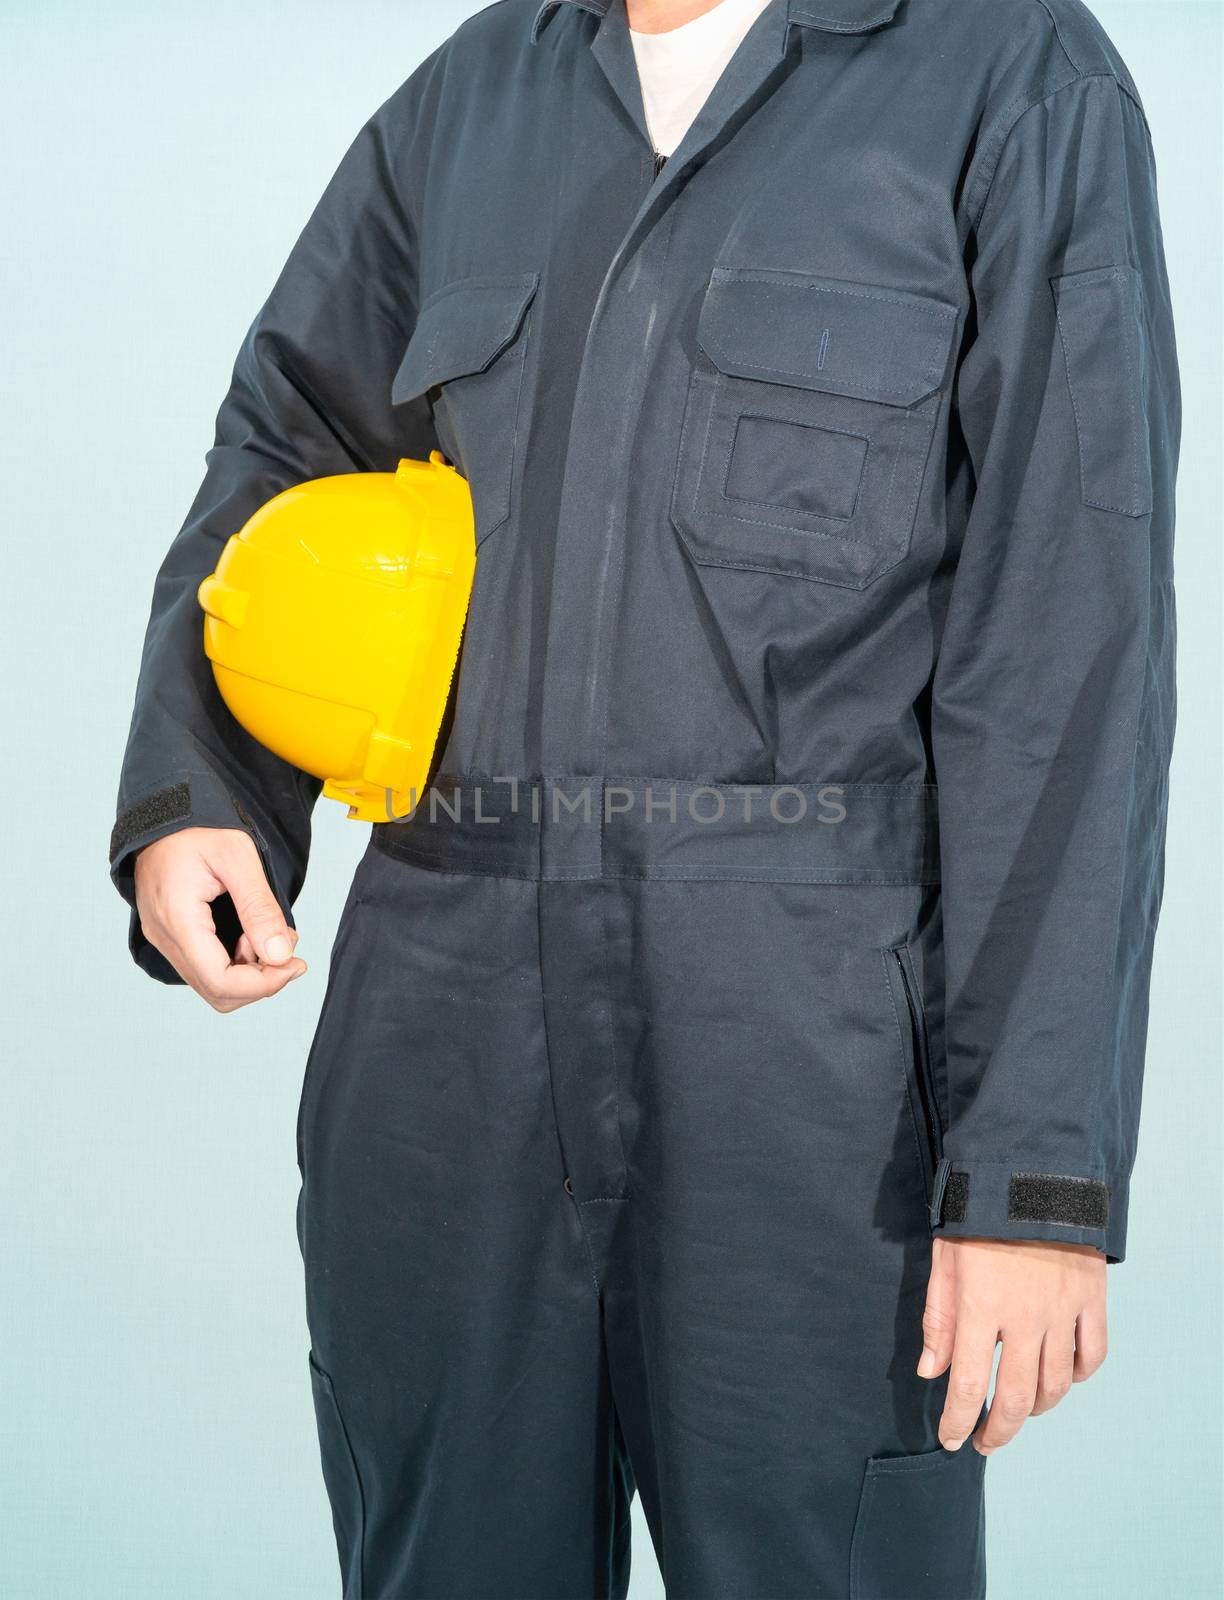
522, 281
1000, 131
1079, 428
746, 274
751, 368
701, 781
747, 565
885, 1466
1132, 378
789, 527
886, 511
330, 1389
882, 548
836, 25
970, 1164
685, 517
677, 497
590, 1254
611, 1023
502, 341
521, 342
552, 1090
782, 505
865, 877
857, 1541
1026, 102
600, 691
894, 545
1123, 88
933, 362
1052, 1222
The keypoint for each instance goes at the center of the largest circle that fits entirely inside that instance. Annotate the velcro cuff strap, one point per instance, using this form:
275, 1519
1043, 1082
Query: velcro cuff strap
956, 1197
154, 811
1050, 1197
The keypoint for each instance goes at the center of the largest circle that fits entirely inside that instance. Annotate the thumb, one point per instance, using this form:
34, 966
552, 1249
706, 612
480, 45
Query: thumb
263, 921
939, 1316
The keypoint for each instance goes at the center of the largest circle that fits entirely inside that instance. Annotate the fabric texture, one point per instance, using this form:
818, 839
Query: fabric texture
797, 859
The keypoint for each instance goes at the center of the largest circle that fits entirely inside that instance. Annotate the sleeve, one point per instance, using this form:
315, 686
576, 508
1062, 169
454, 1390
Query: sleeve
310, 396
1053, 696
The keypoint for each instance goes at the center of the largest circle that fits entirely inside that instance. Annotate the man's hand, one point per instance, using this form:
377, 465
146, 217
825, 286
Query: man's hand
1045, 1302
178, 878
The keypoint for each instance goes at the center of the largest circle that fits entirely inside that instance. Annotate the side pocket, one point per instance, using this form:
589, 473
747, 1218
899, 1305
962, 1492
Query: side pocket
1100, 324
920, 1532
915, 1059
355, 898
341, 1480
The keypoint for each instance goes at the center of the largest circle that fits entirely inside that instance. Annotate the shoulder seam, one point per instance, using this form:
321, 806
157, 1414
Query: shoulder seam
1058, 34
1009, 119
1107, 72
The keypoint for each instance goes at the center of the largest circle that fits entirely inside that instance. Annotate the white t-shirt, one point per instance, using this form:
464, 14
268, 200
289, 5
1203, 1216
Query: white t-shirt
678, 68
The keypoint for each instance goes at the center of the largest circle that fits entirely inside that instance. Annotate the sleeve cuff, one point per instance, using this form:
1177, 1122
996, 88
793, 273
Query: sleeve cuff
193, 800
1016, 1200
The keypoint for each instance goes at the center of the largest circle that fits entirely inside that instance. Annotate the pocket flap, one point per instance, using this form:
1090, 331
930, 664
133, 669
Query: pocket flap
852, 339
462, 328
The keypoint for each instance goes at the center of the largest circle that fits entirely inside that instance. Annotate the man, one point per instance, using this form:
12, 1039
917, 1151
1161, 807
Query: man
776, 966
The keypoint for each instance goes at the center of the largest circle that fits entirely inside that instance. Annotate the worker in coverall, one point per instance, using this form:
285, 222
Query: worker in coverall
773, 964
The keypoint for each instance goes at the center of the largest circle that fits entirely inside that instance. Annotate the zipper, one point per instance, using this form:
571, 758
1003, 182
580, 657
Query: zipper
659, 159
931, 1119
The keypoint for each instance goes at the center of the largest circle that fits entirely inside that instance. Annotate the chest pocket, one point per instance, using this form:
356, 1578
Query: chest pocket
467, 356
808, 423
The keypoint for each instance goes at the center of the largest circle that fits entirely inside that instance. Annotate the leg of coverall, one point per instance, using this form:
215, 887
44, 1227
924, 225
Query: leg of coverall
469, 1444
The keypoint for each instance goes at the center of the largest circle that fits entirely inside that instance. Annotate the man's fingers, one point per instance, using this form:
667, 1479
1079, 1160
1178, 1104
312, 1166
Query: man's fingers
1047, 1304
939, 1315
1091, 1341
1015, 1390
245, 953
205, 964
237, 866
177, 880
1057, 1369
968, 1382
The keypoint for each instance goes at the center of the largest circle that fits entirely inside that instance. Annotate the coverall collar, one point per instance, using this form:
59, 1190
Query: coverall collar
831, 16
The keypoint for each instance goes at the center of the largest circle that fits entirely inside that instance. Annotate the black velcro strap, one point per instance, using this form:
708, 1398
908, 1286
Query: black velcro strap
166, 805
1049, 1197
956, 1197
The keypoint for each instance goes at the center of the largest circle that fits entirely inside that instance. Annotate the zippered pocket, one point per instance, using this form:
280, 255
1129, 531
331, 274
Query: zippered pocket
915, 1059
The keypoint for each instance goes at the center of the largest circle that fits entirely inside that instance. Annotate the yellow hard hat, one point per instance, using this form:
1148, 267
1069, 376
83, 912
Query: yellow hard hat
333, 624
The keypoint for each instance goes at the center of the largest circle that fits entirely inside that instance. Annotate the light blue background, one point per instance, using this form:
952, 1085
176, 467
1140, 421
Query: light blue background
156, 1434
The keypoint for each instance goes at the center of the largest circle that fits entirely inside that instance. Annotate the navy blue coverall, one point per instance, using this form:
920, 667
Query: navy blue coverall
791, 886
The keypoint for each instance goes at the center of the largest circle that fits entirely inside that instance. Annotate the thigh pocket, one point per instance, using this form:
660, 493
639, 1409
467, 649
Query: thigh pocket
467, 355
341, 1480
1101, 328
808, 423
920, 1533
